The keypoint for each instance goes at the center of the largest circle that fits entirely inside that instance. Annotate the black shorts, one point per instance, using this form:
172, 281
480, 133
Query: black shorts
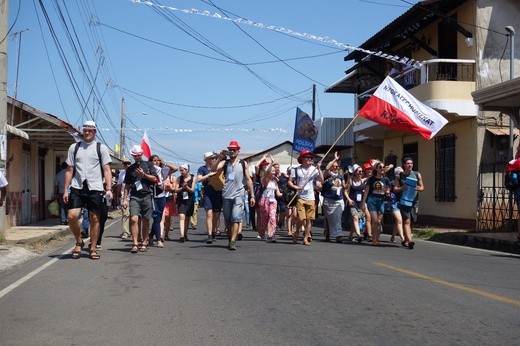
409, 212
84, 198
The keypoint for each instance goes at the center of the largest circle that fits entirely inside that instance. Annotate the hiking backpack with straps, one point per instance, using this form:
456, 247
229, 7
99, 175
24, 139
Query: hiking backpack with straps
76, 148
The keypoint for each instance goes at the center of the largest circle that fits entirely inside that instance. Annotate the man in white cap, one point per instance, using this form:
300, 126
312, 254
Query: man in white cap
88, 165
140, 178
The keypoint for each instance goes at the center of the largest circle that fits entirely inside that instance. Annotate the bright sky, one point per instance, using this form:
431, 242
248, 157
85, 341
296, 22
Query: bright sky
193, 81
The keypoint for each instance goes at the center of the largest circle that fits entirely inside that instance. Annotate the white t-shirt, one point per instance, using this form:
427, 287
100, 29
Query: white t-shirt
306, 174
87, 165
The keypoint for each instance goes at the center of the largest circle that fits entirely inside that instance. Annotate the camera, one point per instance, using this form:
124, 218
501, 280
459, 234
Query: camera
227, 152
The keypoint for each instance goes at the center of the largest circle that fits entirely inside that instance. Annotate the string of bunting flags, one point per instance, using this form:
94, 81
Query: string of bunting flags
178, 130
324, 39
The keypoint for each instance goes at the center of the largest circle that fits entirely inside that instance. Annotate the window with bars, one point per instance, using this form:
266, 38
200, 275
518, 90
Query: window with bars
445, 168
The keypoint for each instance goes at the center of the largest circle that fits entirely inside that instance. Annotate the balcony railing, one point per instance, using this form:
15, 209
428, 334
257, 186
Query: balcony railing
433, 70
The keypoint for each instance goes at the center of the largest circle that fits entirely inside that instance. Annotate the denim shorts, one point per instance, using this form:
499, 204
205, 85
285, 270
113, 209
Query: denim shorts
376, 204
233, 209
391, 207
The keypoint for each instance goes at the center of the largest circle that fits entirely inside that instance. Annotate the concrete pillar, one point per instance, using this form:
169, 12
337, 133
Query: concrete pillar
4, 19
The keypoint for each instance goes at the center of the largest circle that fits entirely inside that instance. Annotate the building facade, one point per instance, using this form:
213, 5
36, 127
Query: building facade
457, 47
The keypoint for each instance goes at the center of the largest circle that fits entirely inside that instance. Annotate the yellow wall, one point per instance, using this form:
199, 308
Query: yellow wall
363, 152
465, 168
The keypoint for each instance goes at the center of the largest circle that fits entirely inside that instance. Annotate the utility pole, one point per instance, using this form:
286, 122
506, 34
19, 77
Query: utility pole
19, 34
122, 131
4, 18
511, 33
313, 102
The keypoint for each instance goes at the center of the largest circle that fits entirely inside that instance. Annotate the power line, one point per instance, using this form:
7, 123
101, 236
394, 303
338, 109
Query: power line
213, 107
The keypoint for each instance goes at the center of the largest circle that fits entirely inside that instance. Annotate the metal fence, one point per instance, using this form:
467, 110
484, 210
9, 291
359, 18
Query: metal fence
496, 208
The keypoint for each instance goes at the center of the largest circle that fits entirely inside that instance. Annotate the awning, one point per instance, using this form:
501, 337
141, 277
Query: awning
17, 132
502, 131
43, 128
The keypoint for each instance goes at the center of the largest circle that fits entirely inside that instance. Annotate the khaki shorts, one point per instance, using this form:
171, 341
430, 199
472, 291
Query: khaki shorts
305, 210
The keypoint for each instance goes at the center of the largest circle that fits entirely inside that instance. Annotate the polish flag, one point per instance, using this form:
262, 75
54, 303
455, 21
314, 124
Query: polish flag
394, 107
145, 144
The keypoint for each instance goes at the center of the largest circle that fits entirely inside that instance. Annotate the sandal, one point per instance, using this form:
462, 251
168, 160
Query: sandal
144, 248
94, 255
135, 249
77, 253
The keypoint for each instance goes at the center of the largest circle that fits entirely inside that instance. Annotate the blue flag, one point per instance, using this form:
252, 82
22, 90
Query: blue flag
305, 132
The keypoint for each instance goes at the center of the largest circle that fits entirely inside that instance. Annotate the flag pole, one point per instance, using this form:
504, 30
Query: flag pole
341, 135
324, 156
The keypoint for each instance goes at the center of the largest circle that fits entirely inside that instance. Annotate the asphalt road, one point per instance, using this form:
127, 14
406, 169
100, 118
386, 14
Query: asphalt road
325, 294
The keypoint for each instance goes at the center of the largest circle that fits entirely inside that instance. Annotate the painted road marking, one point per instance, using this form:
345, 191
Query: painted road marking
37, 270
450, 284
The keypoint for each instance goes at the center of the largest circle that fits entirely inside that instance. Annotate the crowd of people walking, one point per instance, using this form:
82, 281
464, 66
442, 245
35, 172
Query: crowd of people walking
263, 198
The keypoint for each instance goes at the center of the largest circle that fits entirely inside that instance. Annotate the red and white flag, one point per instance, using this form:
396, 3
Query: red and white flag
145, 145
394, 107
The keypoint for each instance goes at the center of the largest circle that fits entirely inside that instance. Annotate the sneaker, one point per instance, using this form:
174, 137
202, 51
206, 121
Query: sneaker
98, 247
258, 237
124, 236
160, 244
232, 245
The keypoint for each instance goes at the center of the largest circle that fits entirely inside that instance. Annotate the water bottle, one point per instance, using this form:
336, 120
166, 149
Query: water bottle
108, 198
362, 225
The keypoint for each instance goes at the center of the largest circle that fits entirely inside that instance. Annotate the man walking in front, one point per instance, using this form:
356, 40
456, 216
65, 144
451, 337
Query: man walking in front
235, 171
88, 164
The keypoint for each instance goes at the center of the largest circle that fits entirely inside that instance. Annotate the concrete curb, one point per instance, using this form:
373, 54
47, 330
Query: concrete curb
36, 235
